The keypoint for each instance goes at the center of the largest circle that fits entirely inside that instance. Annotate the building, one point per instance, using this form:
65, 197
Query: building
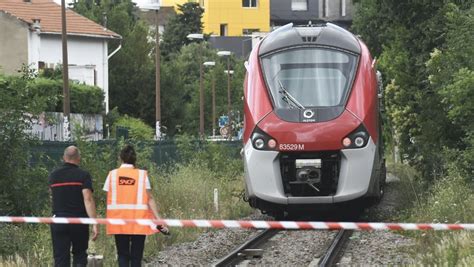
302, 12
236, 25
231, 17
30, 33
236, 17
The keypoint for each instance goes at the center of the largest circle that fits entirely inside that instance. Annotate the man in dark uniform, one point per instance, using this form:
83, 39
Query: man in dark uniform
71, 189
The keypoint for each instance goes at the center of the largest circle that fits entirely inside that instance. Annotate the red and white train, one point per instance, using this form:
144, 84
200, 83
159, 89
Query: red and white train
312, 133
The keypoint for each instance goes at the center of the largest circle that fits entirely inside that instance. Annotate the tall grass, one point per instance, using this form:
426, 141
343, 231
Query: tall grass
449, 199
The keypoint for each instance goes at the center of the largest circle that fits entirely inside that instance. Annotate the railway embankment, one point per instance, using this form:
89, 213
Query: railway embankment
304, 248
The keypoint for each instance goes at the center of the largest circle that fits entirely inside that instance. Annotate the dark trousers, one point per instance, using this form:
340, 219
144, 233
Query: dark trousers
65, 235
130, 249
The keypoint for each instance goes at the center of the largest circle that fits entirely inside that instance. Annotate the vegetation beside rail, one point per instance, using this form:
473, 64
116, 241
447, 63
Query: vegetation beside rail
425, 51
184, 190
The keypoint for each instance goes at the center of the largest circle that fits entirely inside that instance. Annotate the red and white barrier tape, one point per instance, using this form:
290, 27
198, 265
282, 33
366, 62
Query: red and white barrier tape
245, 224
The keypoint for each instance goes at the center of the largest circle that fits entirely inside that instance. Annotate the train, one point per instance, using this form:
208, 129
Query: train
312, 121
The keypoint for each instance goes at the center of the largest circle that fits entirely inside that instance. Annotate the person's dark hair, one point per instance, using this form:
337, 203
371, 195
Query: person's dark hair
128, 154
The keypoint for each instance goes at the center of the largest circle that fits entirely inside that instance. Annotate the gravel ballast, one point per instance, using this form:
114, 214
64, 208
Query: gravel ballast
299, 248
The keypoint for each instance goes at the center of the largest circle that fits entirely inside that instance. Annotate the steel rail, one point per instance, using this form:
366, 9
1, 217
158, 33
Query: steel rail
233, 258
330, 257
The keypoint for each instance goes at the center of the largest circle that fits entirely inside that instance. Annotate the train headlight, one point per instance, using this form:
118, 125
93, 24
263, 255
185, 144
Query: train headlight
262, 141
259, 143
357, 139
347, 142
272, 143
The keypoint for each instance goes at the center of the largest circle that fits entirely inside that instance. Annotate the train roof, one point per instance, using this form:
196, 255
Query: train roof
321, 35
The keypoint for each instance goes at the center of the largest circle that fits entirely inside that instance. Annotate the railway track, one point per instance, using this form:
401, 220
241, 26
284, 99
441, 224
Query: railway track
253, 249
249, 247
331, 256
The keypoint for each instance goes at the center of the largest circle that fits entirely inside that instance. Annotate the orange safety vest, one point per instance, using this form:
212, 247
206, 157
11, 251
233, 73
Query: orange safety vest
127, 199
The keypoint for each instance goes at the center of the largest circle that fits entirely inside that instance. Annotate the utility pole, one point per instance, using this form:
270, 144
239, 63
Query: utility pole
157, 78
229, 72
66, 96
228, 93
201, 94
213, 104
200, 36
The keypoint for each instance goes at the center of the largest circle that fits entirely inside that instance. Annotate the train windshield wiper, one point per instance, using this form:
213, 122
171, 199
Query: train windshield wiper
288, 98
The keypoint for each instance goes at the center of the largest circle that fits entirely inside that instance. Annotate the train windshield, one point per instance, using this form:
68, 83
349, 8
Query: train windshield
309, 77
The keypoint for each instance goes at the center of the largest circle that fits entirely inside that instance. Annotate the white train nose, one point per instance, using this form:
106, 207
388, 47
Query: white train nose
265, 180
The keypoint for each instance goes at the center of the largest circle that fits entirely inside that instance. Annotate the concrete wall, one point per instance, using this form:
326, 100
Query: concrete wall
49, 126
240, 46
281, 13
13, 44
82, 51
334, 10
318, 11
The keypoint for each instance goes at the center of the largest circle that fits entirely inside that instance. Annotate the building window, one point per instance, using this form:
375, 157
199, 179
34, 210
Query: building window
249, 31
249, 3
299, 5
223, 29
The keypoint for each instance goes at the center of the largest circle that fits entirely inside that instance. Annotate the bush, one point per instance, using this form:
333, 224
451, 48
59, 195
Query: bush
23, 191
138, 130
84, 98
219, 157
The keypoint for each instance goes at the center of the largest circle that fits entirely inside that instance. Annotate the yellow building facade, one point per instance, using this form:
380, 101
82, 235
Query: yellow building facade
174, 3
231, 17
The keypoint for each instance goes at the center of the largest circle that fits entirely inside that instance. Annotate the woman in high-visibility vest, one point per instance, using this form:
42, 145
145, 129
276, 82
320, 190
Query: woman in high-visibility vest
129, 197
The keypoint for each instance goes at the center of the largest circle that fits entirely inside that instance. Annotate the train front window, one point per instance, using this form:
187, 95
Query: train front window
309, 77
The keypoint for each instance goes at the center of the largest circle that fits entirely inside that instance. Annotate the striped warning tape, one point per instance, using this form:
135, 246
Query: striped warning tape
246, 224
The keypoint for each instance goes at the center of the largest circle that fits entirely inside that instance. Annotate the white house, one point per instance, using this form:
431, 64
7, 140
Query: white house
30, 33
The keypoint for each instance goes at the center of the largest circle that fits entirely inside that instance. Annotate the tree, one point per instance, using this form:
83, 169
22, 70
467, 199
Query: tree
404, 34
182, 101
188, 20
131, 79
451, 76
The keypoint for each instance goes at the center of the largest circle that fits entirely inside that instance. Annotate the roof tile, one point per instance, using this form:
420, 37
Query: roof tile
49, 14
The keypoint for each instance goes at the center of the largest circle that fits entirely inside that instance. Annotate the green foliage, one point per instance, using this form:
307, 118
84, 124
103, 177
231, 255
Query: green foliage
186, 21
84, 98
425, 50
453, 249
425, 88
25, 245
182, 191
217, 157
132, 69
131, 79
21, 185
184, 114
138, 130
450, 200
